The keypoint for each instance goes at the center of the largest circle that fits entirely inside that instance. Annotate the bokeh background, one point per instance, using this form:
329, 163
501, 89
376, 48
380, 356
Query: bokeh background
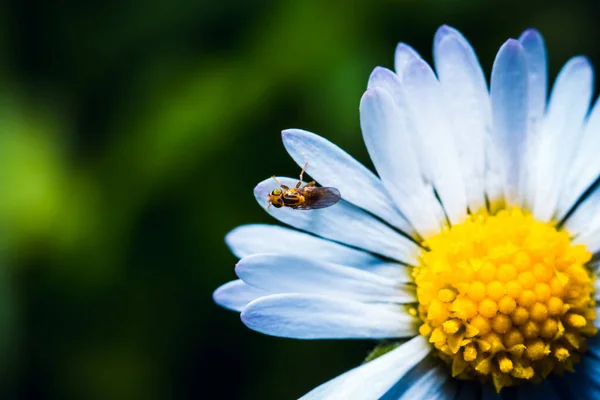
131, 136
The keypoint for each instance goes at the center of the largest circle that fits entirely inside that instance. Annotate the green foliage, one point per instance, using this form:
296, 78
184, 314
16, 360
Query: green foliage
381, 349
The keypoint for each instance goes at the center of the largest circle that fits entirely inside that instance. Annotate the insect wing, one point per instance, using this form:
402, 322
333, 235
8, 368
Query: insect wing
319, 197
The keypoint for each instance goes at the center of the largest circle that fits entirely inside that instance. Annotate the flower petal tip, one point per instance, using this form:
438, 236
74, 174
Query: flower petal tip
512, 45
291, 133
249, 316
530, 34
381, 77
377, 71
580, 62
286, 133
445, 31
372, 95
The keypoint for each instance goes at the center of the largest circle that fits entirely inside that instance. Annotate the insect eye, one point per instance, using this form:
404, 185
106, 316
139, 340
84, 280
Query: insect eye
276, 192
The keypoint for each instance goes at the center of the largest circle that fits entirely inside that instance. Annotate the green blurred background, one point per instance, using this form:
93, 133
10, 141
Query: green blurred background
131, 136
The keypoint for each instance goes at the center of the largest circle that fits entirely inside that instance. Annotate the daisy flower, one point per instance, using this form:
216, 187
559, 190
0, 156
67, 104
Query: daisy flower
469, 254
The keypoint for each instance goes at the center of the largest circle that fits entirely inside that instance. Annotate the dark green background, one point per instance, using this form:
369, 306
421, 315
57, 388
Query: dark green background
131, 136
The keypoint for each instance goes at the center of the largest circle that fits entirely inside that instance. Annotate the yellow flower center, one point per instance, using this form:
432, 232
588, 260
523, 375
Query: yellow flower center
505, 297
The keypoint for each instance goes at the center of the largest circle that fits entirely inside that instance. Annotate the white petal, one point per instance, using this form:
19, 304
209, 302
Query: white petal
372, 380
407, 137
235, 295
385, 79
342, 222
254, 239
331, 166
431, 386
537, 67
423, 93
404, 54
277, 273
390, 148
568, 105
584, 223
427, 380
303, 316
467, 100
585, 168
509, 113
582, 219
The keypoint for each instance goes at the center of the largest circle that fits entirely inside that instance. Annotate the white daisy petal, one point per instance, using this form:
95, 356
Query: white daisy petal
404, 54
585, 167
235, 295
390, 148
509, 114
430, 386
537, 67
423, 93
258, 238
385, 79
373, 379
280, 273
427, 380
584, 223
567, 107
344, 223
331, 166
466, 96
390, 82
304, 316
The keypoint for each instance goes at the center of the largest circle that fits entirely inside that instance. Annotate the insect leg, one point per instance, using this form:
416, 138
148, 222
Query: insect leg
302, 175
279, 183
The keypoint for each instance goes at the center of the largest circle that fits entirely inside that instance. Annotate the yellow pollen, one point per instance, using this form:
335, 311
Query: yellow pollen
527, 298
513, 289
507, 305
504, 363
539, 312
575, 320
470, 352
530, 330
451, 326
520, 316
446, 296
561, 353
501, 323
476, 291
505, 298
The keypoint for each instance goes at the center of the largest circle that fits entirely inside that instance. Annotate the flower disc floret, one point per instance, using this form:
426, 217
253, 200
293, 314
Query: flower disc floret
505, 297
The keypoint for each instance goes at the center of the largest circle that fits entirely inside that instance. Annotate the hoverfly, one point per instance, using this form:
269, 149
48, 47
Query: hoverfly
308, 197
